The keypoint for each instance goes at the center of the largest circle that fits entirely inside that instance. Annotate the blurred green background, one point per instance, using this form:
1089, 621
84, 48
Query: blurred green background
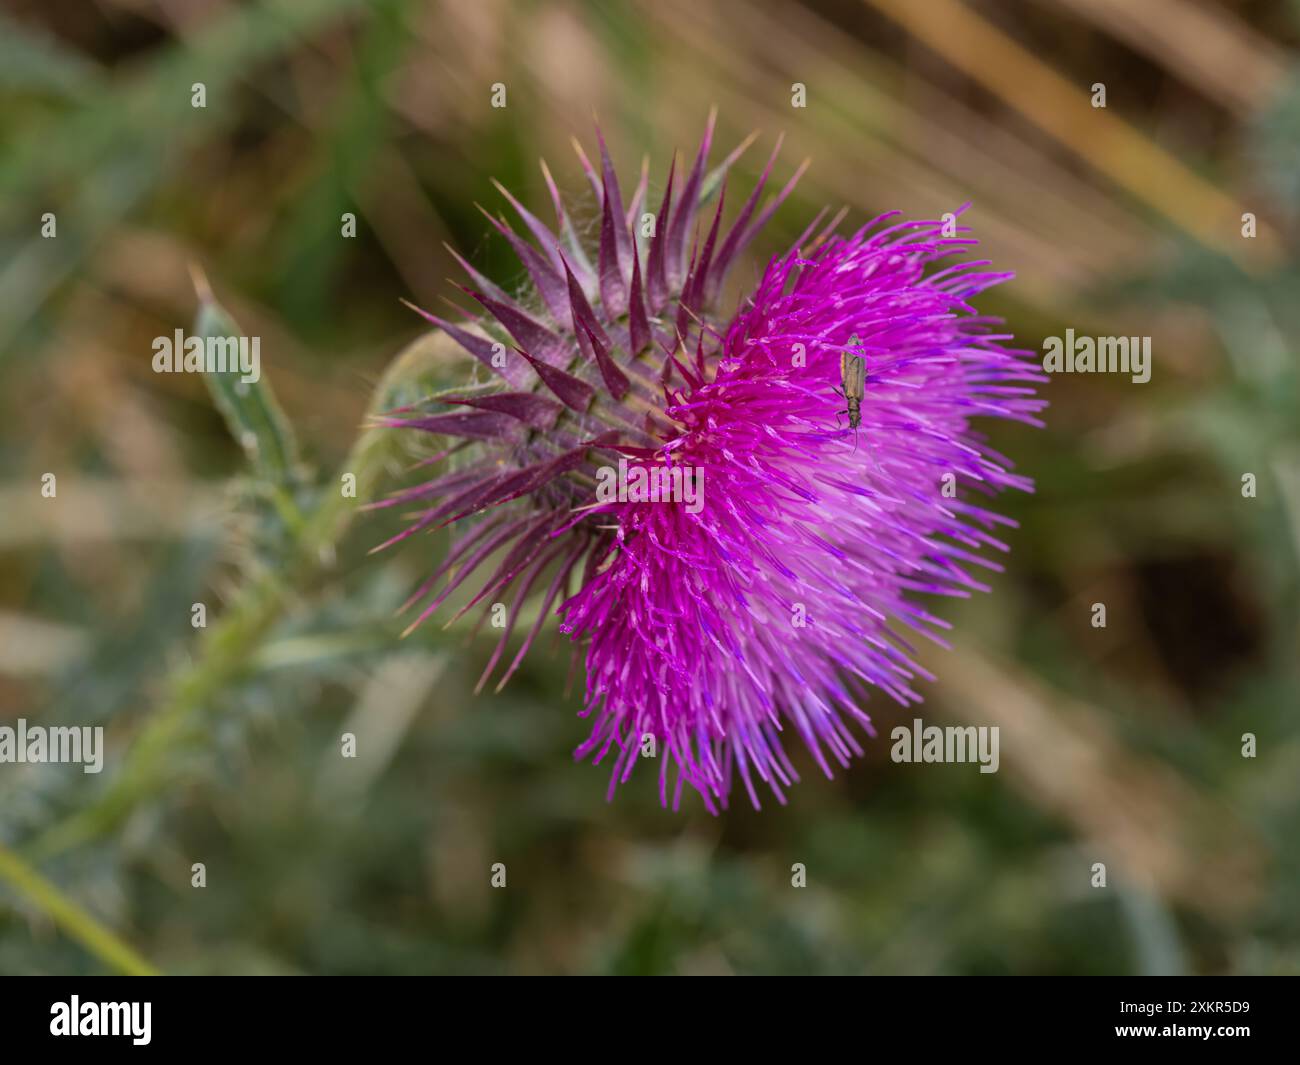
1120, 745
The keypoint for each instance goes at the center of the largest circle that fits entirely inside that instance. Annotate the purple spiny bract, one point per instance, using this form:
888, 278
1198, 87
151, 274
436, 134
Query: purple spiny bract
778, 601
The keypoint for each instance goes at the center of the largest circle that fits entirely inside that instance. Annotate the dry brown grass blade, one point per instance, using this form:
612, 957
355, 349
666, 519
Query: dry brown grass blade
1062, 110
870, 148
927, 123
1205, 47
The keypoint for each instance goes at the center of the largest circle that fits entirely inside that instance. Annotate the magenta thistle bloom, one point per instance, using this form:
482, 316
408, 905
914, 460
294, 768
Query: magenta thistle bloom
776, 598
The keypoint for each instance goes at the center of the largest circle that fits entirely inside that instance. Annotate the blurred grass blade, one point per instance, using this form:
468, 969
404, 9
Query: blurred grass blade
79, 924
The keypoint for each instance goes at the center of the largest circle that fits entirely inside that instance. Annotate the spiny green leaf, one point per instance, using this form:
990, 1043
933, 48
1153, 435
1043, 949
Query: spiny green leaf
249, 406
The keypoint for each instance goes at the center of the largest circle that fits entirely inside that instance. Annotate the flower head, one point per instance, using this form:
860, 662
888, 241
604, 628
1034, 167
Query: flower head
685, 491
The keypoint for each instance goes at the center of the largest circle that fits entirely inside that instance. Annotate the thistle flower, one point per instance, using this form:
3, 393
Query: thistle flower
777, 605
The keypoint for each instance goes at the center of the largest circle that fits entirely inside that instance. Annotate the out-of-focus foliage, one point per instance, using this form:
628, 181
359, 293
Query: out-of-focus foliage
1119, 745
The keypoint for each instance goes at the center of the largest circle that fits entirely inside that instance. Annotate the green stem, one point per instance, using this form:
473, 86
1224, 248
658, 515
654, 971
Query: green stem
229, 645
80, 925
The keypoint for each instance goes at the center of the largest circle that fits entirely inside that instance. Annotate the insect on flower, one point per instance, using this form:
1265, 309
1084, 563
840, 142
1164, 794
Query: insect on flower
853, 377
692, 623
